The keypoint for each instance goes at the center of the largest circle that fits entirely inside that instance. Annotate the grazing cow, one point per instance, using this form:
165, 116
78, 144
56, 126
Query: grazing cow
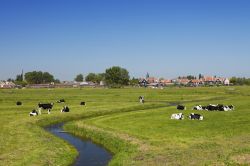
61, 101
178, 116
33, 113
198, 107
18, 103
181, 107
82, 103
194, 116
65, 109
141, 99
45, 106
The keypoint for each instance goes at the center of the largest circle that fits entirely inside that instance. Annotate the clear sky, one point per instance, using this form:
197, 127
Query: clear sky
166, 38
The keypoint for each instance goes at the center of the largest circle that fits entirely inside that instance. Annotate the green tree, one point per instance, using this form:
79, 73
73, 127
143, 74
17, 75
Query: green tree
19, 77
10, 80
200, 76
57, 81
21, 83
100, 77
91, 77
233, 80
116, 76
134, 81
190, 77
47, 77
97, 78
79, 78
38, 77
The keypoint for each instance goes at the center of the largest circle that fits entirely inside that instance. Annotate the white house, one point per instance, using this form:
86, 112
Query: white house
226, 81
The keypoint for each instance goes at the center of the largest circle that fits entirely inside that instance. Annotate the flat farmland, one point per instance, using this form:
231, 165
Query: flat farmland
137, 134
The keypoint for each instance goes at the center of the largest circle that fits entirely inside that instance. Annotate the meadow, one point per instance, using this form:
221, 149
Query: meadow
137, 134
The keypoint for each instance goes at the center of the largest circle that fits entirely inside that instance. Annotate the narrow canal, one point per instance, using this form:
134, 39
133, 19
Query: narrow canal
90, 154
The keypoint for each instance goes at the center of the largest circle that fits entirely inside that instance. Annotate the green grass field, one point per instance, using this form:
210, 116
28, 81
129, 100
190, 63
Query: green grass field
136, 134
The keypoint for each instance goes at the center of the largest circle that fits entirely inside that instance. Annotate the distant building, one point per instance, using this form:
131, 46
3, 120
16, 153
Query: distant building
152, 80
102, 83
40, 86
209, 80
143, 82
7, 85
227, 82
195, 82
166, 82
184, 81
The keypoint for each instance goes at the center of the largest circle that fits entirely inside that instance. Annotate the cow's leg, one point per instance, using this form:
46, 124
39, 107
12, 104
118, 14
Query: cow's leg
48, 111
39, 110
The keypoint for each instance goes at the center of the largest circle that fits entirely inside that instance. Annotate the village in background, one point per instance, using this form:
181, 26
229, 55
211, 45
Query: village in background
149, 82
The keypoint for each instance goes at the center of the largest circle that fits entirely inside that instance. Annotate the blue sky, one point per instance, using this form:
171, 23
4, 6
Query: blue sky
166, 38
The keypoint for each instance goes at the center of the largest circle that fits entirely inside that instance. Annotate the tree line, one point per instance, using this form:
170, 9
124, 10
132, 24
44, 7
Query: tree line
113, 77
240, 81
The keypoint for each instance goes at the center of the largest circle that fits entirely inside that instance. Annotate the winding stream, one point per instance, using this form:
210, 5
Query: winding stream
90, 154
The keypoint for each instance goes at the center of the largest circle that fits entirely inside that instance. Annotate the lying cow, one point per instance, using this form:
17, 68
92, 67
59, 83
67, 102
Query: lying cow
198, 107
178, 116
82, 103
181, 107
194, 116
33, 113
65, 109
18, 103
61, 101
141, 99
231, 107
45, 106
204, 108
220, 107
214, 107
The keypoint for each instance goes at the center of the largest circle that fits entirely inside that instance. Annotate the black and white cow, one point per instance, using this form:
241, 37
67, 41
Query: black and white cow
220, 107
141, 99
65, 109
45, 106
61, 101
181, 107
198, 107
82, 103
214, 107
204, 108
231, 107
33, 113
18, 103
178, 116
194, 116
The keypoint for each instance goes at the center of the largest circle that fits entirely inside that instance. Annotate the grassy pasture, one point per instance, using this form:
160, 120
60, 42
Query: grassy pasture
137, 134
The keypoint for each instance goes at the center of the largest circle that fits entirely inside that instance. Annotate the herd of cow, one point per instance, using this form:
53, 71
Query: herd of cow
48, 107
193, 116
177, 116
